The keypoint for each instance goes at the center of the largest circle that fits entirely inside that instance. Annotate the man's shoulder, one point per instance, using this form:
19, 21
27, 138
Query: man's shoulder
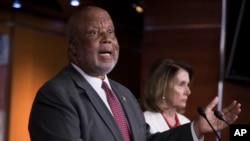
116, 84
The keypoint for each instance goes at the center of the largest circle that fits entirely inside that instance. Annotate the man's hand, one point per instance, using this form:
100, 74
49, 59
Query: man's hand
230, 114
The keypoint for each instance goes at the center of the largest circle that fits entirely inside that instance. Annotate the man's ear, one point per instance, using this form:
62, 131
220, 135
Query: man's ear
72, 47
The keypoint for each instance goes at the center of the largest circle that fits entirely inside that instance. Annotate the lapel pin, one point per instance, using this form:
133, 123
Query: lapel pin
124, 98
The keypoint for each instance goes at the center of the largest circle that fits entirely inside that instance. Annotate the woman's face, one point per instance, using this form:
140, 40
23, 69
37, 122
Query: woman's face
178, 92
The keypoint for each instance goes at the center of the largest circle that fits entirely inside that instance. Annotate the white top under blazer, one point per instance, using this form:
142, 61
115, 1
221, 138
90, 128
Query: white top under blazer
157, 122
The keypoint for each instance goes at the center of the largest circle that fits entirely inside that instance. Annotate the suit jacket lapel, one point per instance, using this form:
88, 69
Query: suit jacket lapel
97, 102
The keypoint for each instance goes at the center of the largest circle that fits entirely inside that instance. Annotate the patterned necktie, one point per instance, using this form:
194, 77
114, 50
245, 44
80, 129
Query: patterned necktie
117, 111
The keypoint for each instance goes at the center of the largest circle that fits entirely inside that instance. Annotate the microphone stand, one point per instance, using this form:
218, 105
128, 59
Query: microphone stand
203, 114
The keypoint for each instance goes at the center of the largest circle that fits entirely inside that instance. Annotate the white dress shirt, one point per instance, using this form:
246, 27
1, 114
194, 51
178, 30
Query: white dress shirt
96, 83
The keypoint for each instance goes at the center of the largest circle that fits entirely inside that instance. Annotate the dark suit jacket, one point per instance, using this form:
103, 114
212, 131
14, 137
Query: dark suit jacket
67, 108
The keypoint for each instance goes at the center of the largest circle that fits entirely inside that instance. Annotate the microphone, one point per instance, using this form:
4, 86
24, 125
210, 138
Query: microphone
220, 116
203, 114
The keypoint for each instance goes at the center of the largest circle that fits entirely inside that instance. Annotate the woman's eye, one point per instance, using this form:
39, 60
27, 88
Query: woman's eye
182, 84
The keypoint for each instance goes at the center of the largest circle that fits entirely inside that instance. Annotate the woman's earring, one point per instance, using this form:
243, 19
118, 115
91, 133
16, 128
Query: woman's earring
163, 97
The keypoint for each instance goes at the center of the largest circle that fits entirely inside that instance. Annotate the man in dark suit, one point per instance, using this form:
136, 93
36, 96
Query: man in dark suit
72, 106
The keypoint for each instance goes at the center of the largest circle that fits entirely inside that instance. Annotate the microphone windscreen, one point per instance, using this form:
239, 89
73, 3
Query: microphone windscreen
201, 111
218, 115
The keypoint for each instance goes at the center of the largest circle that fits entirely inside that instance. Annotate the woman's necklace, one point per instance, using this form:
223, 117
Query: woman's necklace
177, 122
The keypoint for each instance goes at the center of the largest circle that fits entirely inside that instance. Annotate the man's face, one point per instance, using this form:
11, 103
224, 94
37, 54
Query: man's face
97, 48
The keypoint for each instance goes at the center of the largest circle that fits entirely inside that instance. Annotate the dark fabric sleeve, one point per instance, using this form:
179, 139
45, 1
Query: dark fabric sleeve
181, 133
